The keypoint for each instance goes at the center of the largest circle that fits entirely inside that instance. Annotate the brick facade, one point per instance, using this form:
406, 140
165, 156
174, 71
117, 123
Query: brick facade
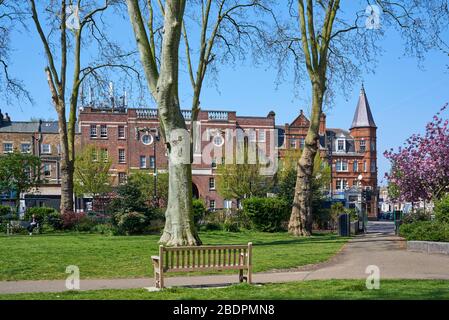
132, 140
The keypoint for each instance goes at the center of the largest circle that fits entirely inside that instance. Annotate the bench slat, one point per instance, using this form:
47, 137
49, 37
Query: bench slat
187, 269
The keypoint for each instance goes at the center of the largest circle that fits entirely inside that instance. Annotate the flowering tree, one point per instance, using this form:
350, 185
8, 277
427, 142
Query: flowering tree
420, 170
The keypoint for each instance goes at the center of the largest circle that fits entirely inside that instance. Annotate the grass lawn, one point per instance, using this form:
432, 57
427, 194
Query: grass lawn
47, 256
326, 289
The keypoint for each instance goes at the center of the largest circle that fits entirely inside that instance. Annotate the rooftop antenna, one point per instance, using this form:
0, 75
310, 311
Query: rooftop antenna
91, 96
82, 96
111, 93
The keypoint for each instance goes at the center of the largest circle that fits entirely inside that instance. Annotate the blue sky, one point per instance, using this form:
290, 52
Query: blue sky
403, 97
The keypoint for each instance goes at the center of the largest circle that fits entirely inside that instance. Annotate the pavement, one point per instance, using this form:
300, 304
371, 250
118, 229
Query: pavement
379, 248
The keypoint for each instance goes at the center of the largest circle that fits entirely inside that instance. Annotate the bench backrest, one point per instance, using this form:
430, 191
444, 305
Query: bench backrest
226, 257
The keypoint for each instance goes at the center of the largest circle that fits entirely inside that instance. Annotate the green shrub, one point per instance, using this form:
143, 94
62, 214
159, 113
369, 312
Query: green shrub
441, 209
6, 213
415, 216
5, 210
39, 213
425, 231
53, 220
131, 223
322, 219
199, 210
266, 214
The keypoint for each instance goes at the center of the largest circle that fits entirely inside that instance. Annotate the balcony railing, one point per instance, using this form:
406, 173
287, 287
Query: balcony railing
218, 115
153, 114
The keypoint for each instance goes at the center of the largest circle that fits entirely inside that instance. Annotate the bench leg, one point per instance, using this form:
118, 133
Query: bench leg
241, 277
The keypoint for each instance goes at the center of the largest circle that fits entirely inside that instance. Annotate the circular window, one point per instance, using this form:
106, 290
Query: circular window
147, 139
218, 141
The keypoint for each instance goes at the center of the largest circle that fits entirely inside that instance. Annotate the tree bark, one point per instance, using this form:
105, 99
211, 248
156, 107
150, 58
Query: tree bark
301, 219
179, 227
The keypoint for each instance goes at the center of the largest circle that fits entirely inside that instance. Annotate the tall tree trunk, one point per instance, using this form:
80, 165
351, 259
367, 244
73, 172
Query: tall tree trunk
66, 166
301, 218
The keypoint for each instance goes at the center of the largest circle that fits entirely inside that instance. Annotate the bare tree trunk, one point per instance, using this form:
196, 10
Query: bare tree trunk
179, 227
301, 219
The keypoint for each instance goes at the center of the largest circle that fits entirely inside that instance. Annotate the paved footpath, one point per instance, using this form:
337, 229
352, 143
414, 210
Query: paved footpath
378, 247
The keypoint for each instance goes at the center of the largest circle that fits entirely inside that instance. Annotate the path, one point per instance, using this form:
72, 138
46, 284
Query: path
378, 247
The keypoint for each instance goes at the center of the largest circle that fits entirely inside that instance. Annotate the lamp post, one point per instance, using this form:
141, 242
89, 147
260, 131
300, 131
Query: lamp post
360, 178
330, 149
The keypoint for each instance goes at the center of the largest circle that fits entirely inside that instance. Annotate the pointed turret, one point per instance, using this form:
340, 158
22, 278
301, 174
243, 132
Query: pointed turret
363, 117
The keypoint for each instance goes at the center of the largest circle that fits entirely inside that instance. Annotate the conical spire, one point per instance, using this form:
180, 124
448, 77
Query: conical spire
363, 117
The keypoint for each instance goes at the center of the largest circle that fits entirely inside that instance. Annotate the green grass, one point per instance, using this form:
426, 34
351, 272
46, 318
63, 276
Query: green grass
47, 256
326, 289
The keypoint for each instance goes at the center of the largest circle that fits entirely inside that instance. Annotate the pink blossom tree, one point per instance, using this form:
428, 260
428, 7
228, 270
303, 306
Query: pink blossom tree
420, 170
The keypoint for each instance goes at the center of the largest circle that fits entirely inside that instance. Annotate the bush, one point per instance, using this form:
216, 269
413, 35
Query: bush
199, 210
54, 220
425, 231
6, 213
70, 220
40, 213
266, 214
441, 210
131, 223
415, 216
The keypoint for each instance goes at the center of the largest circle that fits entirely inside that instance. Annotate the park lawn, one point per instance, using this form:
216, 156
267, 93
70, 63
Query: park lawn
43, 257
310, 290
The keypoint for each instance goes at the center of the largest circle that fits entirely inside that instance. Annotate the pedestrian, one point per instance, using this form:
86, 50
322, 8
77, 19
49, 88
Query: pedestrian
33, 224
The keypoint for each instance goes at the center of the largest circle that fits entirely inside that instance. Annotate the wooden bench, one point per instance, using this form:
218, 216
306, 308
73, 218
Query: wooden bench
203, 258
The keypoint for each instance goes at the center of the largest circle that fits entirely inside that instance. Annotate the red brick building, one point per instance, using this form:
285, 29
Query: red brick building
40, 138
130, 138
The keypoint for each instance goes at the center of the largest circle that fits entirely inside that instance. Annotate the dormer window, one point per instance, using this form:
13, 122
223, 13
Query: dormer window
341, 145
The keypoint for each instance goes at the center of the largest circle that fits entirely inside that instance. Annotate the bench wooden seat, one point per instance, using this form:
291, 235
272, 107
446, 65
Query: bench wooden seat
203, 258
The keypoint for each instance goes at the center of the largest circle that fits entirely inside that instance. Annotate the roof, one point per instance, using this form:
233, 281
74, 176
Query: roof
363, 117
32, 127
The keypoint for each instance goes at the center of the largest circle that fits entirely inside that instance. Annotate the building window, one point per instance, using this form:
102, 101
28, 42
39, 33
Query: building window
373, 145
252, 136
211, 183
104, 155
355, 166
342, 165
93, 130
152, 162
121, 177
25, 148
103, 131
227, 204
302, 143
218, 141
340, 145
262, 136
47, 170
362, 145
373, 167
214, 163
341, 184
147, 139
292, 144
212, 204
46, 148
364, 166
338, 184
7, 147
121, 132
143, 162
121, 156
